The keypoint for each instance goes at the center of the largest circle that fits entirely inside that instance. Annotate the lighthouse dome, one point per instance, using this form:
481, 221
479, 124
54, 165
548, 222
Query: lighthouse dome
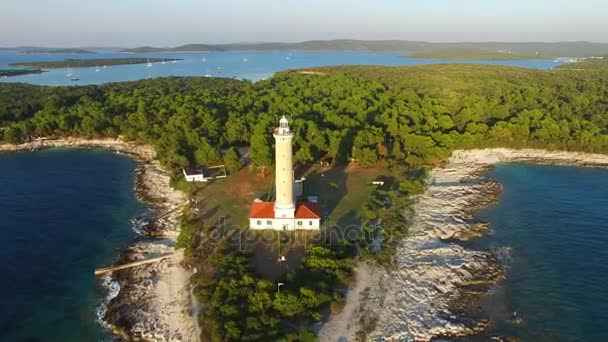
283, 121
283, 126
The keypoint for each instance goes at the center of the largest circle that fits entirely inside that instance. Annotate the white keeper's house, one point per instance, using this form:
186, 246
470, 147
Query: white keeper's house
285, 213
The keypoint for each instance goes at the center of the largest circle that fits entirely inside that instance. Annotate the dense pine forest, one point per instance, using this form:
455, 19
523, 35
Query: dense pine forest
403, 118
414, 114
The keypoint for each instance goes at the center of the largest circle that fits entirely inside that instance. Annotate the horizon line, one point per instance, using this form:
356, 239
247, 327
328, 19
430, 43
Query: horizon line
306, 41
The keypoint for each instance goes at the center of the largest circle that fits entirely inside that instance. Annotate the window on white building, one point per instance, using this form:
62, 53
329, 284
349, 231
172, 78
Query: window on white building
299, 223
310, 223
269, 222
259, 222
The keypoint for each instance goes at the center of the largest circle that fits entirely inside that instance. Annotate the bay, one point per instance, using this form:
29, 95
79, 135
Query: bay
64, 213
552, 223
251, 65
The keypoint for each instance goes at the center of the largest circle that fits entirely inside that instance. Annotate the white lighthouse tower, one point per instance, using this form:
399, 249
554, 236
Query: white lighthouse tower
284, 204
285, 213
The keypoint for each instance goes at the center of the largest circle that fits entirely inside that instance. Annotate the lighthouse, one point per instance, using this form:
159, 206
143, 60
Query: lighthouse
284, 204
286, 212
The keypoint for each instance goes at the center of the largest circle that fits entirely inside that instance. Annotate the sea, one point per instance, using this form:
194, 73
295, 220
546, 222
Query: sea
250, 65
63, 213
550, 229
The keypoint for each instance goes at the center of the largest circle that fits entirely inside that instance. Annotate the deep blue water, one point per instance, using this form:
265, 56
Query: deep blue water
554, 221
63, 213
240, 64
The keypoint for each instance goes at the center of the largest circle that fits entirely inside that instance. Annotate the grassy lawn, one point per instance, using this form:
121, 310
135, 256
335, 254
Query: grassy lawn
230, 198
341, 190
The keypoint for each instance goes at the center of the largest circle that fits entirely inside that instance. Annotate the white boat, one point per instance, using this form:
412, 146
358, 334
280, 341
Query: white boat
69, 73
163, 62
148, 64
97, 69
204, 59
245, 60
208, 75
105, 66
173, 61
74, 78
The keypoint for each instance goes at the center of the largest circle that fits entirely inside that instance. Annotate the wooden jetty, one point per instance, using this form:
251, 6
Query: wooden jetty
104, 270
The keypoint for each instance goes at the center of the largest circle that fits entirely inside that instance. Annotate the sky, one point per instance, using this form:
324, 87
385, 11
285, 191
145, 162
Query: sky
130, 23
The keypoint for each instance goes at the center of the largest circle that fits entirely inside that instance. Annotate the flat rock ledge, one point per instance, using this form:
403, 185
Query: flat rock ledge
436, 281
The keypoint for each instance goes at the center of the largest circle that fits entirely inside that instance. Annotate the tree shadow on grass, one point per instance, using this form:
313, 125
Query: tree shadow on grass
328, 184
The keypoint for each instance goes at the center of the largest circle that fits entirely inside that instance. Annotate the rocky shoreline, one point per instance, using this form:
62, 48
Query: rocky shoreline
154, 299
437, 281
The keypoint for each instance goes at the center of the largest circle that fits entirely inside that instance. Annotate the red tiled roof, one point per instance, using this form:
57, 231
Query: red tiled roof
304, 210
308, 210
263, 210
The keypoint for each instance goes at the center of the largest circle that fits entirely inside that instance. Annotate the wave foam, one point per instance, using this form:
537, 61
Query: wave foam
113, 288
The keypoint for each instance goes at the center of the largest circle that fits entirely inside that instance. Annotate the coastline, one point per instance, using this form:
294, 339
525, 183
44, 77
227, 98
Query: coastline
154, 300
436, 282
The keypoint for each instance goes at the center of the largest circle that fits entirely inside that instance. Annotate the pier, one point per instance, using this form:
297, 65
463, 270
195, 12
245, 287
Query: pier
104, 270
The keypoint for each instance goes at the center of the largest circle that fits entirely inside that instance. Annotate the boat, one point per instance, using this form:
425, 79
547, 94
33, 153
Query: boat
173, 61
74, 79
220, 70
204, 59
105, 66
69, 73
97, 69
163, 62
245, 60
148, 64
208, 75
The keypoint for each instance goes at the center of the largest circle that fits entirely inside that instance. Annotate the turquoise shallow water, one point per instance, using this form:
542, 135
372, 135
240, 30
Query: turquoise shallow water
252, 65
64, 212
554, 222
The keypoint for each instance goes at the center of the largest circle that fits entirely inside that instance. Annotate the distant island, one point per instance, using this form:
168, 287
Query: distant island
570, 49
57, 51
19, 72
83, 63
475, 54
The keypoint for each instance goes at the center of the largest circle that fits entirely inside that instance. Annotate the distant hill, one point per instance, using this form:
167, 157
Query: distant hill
183, 48
570, 49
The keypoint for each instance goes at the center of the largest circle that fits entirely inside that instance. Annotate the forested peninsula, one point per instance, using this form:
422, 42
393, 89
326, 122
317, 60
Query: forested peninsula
19, 72
399, 121
56, 51
83, 63
476, 54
